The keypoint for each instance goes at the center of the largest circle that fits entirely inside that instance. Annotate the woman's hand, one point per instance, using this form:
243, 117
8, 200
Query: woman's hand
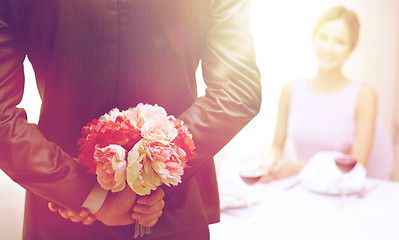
148, 209
82, 216
282, 169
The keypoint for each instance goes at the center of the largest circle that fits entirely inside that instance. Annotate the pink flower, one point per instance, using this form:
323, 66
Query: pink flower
143, 113
159, 129
111, 167
167, 161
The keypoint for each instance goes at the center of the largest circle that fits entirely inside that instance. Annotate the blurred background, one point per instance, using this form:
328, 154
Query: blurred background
282, 33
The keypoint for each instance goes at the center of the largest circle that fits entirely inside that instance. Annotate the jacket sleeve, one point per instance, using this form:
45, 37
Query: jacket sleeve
233, 92
26, 156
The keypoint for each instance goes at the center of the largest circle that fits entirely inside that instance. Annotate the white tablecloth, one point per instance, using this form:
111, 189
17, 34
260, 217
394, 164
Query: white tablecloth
279, 214
300, 214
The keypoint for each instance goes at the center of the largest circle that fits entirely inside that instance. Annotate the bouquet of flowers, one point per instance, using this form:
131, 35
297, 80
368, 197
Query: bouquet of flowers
142, 146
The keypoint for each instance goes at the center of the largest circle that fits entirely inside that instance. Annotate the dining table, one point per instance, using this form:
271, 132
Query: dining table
280, 210
285, 209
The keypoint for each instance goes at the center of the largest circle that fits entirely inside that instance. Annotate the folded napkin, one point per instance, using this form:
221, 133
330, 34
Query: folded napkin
322, 175
234, 193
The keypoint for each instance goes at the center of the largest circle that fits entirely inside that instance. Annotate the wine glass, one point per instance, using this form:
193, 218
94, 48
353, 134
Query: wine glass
345, 164
250, 176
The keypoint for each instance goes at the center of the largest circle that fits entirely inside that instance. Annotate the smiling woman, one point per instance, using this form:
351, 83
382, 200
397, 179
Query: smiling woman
326, 112
332, 43
283, 32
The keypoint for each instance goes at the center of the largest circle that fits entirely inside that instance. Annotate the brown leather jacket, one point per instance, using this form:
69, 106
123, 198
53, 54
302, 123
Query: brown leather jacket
93, 55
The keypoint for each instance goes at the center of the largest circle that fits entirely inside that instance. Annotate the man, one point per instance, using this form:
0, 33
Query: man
91, 56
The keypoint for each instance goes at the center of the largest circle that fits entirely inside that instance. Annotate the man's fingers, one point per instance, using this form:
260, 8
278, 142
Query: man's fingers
69, 214
145, 209
151, 199
63, 212
148, 209
83, 213
89, 220
72, 214
78, 217
53, 207
149, 224
82, 216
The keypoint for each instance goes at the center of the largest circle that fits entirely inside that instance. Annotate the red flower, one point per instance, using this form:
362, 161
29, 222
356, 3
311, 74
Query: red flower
184, 139
120, 132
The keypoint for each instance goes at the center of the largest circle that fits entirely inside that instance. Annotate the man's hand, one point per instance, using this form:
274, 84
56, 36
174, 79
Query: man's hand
115, 211
148, 209
82, 216
117, 208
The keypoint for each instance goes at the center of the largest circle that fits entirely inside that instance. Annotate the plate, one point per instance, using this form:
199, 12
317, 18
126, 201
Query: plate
329, 191
321, 175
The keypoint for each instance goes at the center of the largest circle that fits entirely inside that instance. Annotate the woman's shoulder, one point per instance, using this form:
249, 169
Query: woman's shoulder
293, 85
367, 98
286, 90
367, 94
287, 86
285, 95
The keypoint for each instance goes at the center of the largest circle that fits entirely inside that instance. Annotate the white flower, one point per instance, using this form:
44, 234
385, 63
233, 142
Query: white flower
111, 115
139, 173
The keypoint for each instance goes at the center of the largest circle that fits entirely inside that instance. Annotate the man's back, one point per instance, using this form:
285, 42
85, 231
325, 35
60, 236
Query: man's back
91, 56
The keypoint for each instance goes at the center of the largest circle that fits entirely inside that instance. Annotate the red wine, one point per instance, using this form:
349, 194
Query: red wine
250, 177
250, 180
345, 163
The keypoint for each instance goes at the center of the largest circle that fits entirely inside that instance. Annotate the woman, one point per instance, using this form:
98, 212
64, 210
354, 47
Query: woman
327, 112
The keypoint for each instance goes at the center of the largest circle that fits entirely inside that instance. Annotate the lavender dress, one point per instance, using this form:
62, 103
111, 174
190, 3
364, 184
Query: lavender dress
327, 122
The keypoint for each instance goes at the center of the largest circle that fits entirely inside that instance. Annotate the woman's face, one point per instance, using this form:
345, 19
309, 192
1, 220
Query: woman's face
332, 44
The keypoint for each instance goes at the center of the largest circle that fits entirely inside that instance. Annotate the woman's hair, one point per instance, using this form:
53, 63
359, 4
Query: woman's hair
348, 16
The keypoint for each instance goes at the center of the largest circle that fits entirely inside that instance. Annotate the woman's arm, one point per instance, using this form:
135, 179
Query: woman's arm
276, 166
366, 111
280, 134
